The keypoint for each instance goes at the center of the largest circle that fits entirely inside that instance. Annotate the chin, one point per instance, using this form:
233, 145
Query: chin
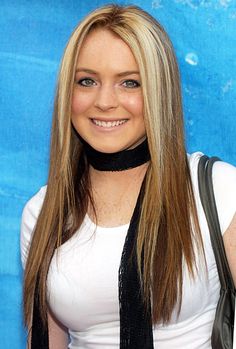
108, 149
113, 145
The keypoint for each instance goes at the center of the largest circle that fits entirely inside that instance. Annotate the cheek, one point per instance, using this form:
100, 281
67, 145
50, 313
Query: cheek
134, 104
80, 103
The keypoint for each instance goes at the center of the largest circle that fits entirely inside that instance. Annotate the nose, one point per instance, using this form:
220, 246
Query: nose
106, 98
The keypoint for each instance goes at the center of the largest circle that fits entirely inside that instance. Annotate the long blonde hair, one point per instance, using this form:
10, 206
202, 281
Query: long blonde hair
168, 221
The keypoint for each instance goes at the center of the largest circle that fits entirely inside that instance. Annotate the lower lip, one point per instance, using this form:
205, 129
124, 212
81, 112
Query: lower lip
108, 129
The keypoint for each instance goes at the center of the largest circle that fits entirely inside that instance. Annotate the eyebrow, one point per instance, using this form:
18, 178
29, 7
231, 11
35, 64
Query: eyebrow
90, 71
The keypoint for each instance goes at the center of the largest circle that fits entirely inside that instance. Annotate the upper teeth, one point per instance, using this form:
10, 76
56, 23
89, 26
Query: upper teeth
108, 123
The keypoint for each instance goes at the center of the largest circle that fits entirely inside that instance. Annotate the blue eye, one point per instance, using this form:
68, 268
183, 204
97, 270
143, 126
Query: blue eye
131, 83
86, 82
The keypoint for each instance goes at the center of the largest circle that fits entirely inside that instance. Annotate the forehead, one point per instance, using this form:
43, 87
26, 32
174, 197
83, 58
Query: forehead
103, 47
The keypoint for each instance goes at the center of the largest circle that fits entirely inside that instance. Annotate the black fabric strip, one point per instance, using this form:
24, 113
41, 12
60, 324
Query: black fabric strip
39, 335
135, 319
119, 161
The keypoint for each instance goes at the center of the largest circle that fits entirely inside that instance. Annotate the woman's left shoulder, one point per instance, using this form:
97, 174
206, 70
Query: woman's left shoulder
224, 183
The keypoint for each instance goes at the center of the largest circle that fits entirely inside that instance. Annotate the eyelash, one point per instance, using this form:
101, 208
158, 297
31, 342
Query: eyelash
135, 83
80, 82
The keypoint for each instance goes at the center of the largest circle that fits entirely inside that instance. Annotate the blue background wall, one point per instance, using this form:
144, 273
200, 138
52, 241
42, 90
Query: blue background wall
33, 35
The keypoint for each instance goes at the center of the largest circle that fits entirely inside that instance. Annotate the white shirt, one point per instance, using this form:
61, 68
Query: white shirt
83, 276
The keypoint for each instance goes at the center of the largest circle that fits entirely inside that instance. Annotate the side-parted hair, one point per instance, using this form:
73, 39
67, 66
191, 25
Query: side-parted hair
168, 228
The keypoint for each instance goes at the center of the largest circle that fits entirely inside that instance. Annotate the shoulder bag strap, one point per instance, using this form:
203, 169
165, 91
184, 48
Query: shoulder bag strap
209, 205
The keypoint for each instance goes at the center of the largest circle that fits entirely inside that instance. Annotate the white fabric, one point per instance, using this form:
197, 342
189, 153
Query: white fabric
83, 276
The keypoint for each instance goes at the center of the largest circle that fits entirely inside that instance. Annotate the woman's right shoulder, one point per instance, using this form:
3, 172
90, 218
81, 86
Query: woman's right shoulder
29, 218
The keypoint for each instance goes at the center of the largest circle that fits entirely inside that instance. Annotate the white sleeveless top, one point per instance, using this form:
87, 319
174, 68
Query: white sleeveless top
83, 276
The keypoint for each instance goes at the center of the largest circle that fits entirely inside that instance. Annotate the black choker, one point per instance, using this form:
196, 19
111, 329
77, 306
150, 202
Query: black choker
119, 161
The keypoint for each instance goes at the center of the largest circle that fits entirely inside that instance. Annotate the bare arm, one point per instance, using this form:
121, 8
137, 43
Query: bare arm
58, 334
230, 246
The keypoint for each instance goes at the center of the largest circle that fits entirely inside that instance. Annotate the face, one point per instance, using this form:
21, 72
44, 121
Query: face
107, 103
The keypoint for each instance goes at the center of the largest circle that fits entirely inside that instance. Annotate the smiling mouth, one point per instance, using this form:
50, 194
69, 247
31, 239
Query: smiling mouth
108, 124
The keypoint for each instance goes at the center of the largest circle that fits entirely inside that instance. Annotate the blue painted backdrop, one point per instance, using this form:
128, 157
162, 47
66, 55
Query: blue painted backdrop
32, 36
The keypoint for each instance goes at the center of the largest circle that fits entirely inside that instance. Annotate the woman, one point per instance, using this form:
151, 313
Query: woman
120, 254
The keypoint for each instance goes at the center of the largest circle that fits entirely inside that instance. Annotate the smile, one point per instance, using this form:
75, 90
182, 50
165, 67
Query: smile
108, 124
